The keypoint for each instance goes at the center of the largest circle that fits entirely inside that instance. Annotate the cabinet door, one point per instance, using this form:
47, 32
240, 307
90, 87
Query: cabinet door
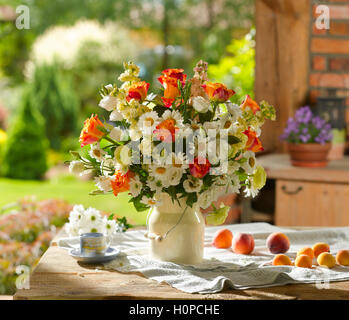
311, 204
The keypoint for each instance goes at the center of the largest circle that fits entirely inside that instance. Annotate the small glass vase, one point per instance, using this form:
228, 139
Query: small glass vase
176, 232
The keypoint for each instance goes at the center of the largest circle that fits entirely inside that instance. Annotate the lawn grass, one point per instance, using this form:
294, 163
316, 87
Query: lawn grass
72, 190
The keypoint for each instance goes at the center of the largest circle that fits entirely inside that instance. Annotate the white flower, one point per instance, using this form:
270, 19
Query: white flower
103, 183
233, 166
77, 214
135, 134
192, 184
97, 152
107, 164
146, 146
93, 216
135, 186
71, 229
148, 122
159, 172
179, 160
235, 183
174, 115
174, 176
123, 155
211, 125
234, 110
109, 226
227, 122
108, 103
116, 116
250, 191
117, 134
76, 167
205, 199
200, 104
250, 164
155, 184
150, 201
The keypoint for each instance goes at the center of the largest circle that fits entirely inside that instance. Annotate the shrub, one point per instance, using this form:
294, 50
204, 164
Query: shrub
25, 150
56, 101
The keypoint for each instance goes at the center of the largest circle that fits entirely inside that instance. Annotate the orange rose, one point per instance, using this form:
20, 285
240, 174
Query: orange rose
138, 91
248, 102
121, 182
91, 133
166, 130
199, 169
218, 92
175, 73
169, 81
253, 143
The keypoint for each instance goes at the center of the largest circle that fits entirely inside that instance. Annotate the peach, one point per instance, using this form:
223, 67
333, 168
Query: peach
243, 243
307, 251
342, 257
278, 242
320, 247
281, 260
222, 239
326, 259
303, 261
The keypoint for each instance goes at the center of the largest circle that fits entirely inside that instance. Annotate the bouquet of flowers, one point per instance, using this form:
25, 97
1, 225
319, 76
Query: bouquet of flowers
190, 142
305, 127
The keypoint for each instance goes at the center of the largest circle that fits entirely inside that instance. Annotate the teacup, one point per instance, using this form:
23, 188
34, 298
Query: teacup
92, 244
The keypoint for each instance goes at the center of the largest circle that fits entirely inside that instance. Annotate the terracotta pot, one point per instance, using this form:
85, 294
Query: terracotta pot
309, 154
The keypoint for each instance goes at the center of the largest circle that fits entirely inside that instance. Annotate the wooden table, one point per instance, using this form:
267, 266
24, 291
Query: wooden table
309, 196
59, 276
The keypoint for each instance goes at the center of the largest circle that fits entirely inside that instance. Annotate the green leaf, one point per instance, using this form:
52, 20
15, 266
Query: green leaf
96, 193
233, 140
218, 216
75, 154
111, 216
191, 199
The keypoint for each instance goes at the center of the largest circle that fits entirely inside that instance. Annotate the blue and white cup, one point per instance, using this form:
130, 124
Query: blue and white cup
92, 244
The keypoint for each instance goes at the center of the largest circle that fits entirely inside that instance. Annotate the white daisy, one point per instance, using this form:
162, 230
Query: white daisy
92, 215
159, 172
103, 183
97, 152
233, 166
109, 225
149, 201
77, 213
155, 184
71, 229
116, 116
192, 184
148, 122
178, 160
175, 115
250, 164
135, 186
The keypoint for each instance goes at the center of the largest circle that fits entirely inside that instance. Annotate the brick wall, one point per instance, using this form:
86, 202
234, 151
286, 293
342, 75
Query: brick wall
329, 52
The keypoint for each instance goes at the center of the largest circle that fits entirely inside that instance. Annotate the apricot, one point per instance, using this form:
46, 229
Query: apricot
281, 260
222, 239
278, 242
303, 261
243, 243
342, 257
307, 251
320, 247
326, 259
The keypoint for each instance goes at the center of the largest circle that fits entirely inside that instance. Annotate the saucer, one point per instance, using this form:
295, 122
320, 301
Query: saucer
109, 255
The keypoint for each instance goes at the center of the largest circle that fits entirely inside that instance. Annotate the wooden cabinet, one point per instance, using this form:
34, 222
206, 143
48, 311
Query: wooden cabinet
301, 203
309, 196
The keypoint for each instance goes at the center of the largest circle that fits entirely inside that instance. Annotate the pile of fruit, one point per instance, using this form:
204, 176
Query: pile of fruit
278, 244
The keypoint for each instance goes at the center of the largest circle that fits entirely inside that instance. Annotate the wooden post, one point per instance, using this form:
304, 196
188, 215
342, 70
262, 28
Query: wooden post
282, 61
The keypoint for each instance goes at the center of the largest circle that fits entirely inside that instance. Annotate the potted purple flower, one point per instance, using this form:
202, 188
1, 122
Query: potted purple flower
308, 137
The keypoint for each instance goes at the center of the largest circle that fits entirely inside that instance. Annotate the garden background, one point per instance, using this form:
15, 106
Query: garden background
50, 75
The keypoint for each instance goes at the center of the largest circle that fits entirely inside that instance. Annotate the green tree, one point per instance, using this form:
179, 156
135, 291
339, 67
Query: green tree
56, 101
25, 151
236, 68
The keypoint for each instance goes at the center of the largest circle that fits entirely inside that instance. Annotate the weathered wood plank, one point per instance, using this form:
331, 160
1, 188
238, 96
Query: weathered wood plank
59, 276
